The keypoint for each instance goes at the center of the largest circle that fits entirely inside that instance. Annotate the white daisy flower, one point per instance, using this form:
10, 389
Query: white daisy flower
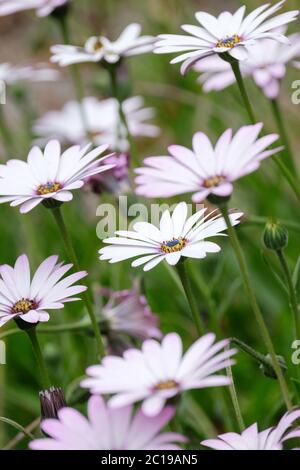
100, 48
103, 122
159, 372
42, 7
26, 299
48, 175
11, 74
177, 236
228, 33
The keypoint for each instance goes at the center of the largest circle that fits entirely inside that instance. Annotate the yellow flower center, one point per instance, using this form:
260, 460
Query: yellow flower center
176, 244
97, 45
213, 181
23, 306
48, 188
167, 385
229, 41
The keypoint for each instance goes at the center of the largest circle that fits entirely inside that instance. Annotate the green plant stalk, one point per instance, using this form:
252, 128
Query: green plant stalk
257, 220
255, 307
283, 133
45, 381
5, 133
17, 426
292, 293
283, 168
73, 258
234, 399
182, 271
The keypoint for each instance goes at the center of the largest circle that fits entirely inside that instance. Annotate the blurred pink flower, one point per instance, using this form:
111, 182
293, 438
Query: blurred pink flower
43, 7
128, 312
177, 236
103, 122
159, 372
266, 64
100, 48
252, 439
107, 429
206, 169
48, 175
116, 180
227, 33
28, 300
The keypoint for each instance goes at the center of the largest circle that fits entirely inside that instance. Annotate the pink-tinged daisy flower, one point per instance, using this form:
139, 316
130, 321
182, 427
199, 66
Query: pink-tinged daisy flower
205, 169
178, 235
29, 299
103, 122
48, 175
42, 7
266, 64
228, 33
128, 312
252, 439
107, 429
116, 180
100, 48
159, 372
11, 74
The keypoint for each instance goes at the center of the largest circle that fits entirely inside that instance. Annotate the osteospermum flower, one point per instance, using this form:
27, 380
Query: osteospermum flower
11, 74
100, 48
177, 236
29, 299
266, 64
128, 312
227, 33
107, 429
206, 169
103, 122
116, 180
48, 175
252, 439
159, 372
42, 7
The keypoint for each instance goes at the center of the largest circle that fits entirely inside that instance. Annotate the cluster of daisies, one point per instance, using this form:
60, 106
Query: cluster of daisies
157, 372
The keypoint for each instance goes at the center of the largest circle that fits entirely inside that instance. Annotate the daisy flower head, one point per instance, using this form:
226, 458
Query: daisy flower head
101, 49
42, 7
253, 439
226, 34
107, 429
160, 371
102, 122
128, 312
26, 299
266, 64
48, 175
205, 170
178, 235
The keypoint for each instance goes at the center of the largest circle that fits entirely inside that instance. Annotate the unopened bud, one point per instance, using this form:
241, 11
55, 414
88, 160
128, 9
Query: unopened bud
268, 369
51, 400
275, 236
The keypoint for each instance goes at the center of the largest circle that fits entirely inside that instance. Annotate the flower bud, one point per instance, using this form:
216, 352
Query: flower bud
268, 370
275, 236
51, 400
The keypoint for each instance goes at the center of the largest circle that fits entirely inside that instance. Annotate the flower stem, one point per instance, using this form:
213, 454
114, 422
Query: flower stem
45, 381
240, 81
72, 255
283, 134
292, 293
113, 74
5, 133
255, 307
17, 426
281, 165
182, 271
234, 399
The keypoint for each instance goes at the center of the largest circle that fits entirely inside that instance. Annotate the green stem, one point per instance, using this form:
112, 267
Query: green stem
240, 81
292, 293
234, 399
5, 133
288, 175
283, 133
17, 426
182, 271
72, 255
257, 220
113, 74
46, 384
255, 307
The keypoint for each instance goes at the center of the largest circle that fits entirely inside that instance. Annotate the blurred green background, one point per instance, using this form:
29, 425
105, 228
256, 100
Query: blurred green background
181, 110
